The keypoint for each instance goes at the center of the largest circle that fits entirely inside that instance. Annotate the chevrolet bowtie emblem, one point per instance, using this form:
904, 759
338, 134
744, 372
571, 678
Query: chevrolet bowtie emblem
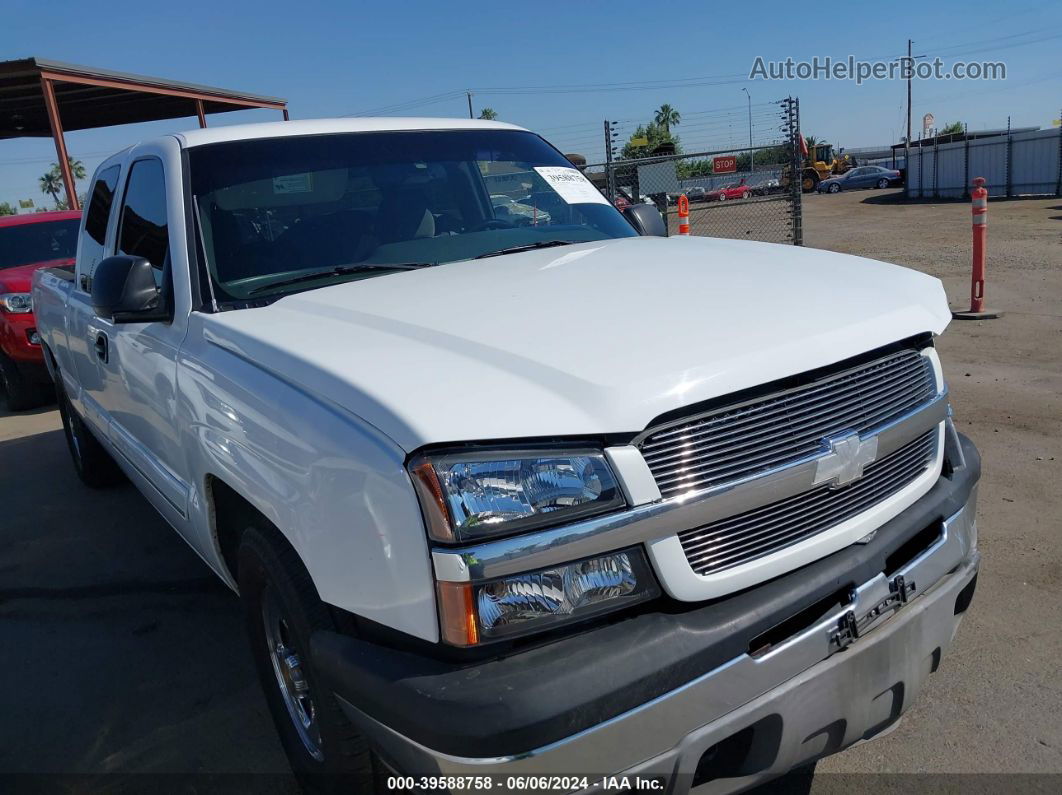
847, 455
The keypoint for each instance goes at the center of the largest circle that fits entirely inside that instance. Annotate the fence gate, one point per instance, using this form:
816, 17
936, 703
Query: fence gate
734, 193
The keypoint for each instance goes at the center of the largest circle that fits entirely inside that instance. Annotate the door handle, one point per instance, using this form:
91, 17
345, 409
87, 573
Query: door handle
101, 346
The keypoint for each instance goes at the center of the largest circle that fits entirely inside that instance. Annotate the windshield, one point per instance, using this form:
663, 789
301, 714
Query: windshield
26, 244
279, 210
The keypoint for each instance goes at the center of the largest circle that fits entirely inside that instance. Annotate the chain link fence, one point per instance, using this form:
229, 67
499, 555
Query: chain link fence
741, 194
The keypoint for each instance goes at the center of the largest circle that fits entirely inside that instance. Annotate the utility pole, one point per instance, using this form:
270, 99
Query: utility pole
469, 94
907, 140
751, 154
910, 71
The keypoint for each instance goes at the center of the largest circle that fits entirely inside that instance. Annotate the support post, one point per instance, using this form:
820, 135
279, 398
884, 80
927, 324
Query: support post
796, 163
200, 113
966, 155
979, 208
1010, 145
60, 144
286, 117
610, 179
907, 140
1058, 181
683, 203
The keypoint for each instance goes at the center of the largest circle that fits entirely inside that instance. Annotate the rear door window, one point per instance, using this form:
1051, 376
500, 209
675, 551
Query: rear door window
97, 218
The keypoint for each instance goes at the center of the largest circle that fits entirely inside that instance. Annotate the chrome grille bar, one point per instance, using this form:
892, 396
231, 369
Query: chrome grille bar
734, 442
762, 531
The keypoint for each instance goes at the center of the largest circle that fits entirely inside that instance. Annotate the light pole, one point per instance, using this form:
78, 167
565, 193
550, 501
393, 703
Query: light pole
751, 153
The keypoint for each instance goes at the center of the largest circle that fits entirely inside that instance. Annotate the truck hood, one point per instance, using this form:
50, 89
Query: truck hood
582, 340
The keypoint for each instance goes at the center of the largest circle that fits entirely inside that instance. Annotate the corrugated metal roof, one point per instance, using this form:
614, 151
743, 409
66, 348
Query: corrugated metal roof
104, 98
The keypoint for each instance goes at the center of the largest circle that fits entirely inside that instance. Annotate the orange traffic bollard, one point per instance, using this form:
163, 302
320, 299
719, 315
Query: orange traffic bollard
684, 215
979, 208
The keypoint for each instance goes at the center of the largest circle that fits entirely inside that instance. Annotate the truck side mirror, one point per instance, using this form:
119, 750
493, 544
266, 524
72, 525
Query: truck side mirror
124, 289
646, 219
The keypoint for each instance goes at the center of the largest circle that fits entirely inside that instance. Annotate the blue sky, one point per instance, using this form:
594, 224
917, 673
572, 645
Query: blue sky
583, 61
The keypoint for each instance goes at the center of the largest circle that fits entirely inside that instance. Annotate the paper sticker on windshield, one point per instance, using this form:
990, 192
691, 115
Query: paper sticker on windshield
571, 185
293, 183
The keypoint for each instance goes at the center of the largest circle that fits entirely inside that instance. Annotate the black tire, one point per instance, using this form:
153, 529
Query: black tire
883, 183
16, 392
834, 188
93, 464
274, 583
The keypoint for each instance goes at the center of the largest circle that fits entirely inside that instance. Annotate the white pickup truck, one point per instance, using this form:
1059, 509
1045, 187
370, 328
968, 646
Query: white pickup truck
515, 493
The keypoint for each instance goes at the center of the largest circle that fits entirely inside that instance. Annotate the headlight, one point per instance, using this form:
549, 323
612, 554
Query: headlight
469, 495
16, 303
475, 613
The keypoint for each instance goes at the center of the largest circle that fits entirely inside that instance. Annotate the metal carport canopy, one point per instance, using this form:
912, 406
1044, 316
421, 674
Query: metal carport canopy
41, 98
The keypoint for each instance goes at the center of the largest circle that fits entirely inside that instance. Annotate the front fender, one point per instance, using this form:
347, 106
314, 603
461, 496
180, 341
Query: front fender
332, 484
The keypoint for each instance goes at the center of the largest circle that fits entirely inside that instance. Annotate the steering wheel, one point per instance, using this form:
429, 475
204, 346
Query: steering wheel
492, 223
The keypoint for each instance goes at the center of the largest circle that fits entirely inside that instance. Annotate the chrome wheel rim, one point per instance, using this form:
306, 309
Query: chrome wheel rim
291, 676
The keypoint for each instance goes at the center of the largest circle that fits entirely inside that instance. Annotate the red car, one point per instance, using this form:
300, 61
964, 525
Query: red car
28, 242
739, 190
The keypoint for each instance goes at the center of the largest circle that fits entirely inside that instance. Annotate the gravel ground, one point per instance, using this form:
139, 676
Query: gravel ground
121, 654
994, 705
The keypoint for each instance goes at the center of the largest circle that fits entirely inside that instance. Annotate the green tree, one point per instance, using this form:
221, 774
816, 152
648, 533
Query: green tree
488, 113
654, 135
955, 128
7, 209
667, 116
688, 169
52, 181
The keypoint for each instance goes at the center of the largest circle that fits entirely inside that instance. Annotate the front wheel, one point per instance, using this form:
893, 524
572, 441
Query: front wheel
16, 391
745, 195
835, 188
281, 612
883, 183
722, 197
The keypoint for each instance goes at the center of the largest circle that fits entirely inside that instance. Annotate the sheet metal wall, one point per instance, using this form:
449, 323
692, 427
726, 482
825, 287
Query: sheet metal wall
1020, 164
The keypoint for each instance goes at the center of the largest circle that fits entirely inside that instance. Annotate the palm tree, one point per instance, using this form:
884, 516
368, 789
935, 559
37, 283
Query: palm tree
77, 168
667, 116
488, 113
52, 184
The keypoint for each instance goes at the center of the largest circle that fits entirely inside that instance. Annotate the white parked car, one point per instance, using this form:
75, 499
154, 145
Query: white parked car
508, 499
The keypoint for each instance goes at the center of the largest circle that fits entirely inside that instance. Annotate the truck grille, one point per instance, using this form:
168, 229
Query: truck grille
738, 539
737, 441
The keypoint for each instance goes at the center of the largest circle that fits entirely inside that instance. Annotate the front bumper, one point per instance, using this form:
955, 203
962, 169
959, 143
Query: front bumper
750, 712
15, 344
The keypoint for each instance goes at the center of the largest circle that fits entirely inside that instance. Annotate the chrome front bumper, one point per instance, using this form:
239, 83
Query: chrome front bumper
803, 699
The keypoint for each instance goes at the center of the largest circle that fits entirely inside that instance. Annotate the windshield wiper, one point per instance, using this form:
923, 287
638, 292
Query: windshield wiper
343, 270
527, 247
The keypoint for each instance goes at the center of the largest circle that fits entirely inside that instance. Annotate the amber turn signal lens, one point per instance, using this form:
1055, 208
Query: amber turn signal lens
457, 614
432, 501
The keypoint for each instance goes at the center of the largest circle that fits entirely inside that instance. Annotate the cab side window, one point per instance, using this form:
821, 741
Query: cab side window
96, 220
143, 231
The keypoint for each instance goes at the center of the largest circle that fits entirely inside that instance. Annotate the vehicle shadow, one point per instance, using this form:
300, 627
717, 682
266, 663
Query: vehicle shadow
128, 653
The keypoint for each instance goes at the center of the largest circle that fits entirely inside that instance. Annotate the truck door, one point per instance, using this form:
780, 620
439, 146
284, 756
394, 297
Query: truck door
80, 366
139, 360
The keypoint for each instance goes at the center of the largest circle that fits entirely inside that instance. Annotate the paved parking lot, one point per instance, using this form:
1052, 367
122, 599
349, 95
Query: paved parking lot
122, 654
